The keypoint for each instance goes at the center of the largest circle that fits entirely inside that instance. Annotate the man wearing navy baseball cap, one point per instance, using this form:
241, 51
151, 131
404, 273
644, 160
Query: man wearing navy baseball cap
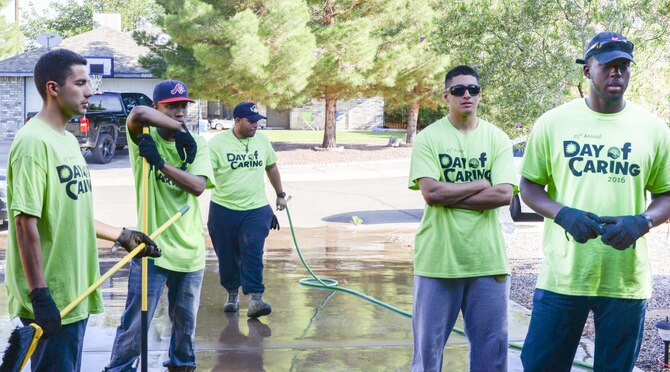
180, 172
240, 217
599, 156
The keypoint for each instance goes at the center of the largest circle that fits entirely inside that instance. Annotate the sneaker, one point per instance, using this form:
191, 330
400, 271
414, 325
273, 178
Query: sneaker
233, 303
257, 307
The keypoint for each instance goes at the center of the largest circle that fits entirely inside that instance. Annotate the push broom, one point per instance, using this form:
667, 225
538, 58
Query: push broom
22, 341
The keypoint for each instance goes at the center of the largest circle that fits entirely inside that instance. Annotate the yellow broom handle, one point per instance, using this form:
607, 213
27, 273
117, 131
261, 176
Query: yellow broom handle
121, 263
145, 221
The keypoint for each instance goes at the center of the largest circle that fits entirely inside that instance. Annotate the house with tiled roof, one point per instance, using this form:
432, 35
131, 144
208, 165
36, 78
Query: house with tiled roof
117, 49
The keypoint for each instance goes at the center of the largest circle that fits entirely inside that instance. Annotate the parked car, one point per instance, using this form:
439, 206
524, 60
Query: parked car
102, 130
220, 124
517, 207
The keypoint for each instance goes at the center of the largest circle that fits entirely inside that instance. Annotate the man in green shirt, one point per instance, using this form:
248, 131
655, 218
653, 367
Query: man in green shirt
463, 167
597, 157
240, 216
180, 172
52, 256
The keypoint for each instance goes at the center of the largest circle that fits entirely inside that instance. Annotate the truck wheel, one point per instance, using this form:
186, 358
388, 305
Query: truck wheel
104, 150
219, 126
515, 208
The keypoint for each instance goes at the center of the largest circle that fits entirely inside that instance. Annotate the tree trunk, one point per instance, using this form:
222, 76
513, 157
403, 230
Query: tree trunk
329, 127
412, 121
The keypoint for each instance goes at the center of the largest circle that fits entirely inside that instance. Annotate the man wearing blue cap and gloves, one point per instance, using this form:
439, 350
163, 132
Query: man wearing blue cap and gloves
180, 172
240, 217
597, 157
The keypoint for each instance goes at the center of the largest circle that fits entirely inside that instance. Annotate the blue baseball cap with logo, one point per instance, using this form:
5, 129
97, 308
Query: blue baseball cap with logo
247, 110
608, 46
169, 91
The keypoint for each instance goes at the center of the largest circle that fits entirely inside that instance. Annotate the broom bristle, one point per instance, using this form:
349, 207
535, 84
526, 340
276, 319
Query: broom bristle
17, 348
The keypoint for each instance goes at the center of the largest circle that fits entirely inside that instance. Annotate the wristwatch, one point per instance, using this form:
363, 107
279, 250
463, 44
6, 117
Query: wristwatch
281, 195
650, 222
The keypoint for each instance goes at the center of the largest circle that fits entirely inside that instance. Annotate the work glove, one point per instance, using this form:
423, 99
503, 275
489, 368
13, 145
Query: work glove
130, 239
623, 231
274, 225
186, 147
581, 225
149, 151
46, 313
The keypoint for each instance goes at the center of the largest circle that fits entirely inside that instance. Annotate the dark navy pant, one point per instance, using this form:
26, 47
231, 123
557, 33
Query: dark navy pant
238, 238
556, 326
61, 351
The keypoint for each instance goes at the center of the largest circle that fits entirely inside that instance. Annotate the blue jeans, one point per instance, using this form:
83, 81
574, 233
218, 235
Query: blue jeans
238, 238
556, 326
183, 302
62, 350
437, 303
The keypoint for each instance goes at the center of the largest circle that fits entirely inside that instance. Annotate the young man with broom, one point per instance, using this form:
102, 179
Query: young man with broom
52, 255
180, 172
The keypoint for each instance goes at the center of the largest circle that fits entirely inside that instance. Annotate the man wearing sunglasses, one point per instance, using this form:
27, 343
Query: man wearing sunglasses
463, 167
597, 156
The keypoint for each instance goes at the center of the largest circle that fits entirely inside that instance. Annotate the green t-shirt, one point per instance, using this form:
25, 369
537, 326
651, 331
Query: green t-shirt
601, 163
453, 242
47, 177
240, 173
183, 244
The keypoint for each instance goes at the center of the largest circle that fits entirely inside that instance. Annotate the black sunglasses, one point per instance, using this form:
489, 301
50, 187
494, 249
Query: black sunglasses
609, 45
459, 90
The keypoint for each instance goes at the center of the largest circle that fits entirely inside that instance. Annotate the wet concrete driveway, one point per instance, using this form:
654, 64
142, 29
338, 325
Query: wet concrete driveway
309, 329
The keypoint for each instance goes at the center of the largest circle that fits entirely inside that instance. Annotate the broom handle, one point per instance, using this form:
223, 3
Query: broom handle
144, 318
121, 263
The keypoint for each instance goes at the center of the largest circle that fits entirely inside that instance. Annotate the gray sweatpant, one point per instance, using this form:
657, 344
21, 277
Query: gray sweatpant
437, 302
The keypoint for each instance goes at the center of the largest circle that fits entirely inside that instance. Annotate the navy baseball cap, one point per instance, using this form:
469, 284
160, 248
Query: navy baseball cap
169, 91
247, 110
608, 46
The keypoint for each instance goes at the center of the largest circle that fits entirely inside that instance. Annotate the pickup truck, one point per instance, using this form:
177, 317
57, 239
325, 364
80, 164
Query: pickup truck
102, 130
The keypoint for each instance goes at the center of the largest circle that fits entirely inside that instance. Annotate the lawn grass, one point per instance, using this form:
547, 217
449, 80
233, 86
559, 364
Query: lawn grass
316, 136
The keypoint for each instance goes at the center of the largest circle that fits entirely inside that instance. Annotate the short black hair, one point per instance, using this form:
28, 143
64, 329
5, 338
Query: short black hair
55, 66
459, 70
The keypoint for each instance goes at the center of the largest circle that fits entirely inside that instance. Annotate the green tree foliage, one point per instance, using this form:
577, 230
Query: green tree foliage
11, 38
69, 18
525, 51
408, 69
282, 53
250, 51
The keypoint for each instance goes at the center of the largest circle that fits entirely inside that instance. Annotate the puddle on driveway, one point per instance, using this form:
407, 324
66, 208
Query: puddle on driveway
309, 329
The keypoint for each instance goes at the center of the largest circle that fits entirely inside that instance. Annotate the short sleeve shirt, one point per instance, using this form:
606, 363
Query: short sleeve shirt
239, 168
453, 242
183, 244
48, 178
600, 163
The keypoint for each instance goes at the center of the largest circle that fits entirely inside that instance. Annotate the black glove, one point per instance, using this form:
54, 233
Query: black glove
581, 225
274, 225
623, 231
149, 151
47, 315
186, 147
130, 239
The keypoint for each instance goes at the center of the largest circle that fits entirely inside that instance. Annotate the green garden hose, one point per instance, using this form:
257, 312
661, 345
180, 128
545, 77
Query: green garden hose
331, 284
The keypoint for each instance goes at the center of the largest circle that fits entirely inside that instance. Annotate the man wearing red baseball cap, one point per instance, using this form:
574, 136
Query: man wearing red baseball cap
180, 172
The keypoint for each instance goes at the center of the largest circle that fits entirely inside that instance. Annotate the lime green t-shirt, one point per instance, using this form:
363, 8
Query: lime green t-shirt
183, 244
601, 163
453, 242
47, 177
239, 168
